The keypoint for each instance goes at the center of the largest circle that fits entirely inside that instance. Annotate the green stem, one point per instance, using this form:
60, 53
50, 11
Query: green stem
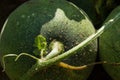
39, 65
56, 48
42, 64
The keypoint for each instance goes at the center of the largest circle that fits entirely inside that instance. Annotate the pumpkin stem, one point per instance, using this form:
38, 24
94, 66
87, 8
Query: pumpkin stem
56, 49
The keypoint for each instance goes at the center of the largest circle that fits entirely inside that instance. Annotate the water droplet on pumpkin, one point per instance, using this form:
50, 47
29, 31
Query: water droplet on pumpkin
17, 23
23, 16
50, 38
90, 50
84, 53
36, 69
111, 20
28, 16
33, 14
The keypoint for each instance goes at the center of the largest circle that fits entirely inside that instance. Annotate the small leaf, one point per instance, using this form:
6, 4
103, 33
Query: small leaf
40, 44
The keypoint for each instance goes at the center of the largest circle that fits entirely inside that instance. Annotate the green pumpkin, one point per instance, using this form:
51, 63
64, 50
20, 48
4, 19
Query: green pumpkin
89, 7
109, 48
54, 19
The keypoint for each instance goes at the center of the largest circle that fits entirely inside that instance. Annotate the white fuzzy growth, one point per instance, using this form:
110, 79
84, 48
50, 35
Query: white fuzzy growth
61, 17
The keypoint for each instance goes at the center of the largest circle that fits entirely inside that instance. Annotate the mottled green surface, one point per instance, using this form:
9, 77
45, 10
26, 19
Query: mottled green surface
110, 46
25, 23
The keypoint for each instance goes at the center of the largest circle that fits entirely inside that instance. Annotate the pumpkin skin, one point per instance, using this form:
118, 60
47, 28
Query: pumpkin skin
89, 7
25, 23
109, 46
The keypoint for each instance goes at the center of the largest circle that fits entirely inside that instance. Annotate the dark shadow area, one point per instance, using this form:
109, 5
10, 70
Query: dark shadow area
99, 73
3, 76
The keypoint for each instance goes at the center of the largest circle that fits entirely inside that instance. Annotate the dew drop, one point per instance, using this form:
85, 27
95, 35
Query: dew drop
111, 20
17, 23
28, 16
33, 14
23, 16
36, 69
90, 50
